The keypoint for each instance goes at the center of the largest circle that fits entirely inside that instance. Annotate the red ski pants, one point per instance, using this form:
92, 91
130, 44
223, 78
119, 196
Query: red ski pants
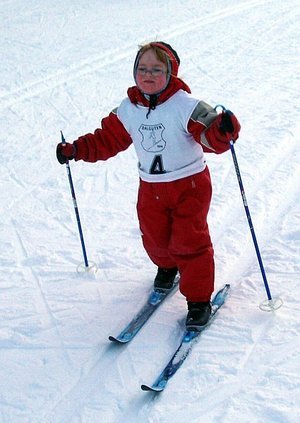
173, 223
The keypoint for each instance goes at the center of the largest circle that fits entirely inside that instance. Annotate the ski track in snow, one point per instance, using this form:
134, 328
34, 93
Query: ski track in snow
85, 67
56, 362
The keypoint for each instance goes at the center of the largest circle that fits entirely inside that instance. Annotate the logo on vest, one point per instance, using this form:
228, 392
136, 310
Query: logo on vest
152, 139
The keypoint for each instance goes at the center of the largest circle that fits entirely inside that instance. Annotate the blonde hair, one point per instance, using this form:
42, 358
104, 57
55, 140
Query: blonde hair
160, 54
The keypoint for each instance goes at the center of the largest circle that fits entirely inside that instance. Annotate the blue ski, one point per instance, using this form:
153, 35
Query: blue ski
153, 302
186, 344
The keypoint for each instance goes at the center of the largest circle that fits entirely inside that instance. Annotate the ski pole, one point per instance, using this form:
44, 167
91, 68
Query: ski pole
270, 304
75, 207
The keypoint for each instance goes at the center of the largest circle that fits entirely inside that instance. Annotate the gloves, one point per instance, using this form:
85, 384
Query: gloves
229, 125
65, 152
223, 129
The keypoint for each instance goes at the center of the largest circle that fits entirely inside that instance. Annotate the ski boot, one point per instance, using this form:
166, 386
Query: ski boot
164, 279
198, 315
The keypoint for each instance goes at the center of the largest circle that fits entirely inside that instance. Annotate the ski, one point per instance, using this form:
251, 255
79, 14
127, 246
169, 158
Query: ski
153, 302
188, 340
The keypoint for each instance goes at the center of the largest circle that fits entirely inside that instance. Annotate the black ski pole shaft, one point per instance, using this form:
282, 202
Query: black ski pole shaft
246, 207
75, 206
271, 303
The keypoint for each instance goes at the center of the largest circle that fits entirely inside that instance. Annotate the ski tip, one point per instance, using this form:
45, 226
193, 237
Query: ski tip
150, 388
226, 289
221, 295
146, 388
117, 340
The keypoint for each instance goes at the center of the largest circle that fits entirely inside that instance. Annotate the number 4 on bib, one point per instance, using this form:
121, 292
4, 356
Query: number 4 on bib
157, 166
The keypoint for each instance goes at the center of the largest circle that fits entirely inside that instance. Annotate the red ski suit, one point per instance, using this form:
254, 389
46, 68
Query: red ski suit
175, 188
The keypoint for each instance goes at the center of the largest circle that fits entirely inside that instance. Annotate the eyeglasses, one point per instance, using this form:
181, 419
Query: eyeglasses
154, 71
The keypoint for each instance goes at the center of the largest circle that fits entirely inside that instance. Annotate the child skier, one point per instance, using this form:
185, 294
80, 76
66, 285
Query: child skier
170, 130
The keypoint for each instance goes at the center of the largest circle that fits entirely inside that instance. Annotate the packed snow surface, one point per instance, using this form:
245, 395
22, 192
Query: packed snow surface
64, 66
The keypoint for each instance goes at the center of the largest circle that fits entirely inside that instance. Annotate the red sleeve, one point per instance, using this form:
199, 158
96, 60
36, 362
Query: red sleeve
202, 119
196, 129
105, 142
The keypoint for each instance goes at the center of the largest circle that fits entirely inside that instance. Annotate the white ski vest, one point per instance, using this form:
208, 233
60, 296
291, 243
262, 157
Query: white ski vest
165, 150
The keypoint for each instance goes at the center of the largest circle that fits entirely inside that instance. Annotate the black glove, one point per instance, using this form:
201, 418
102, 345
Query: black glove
226, 124
229, 125
65, 152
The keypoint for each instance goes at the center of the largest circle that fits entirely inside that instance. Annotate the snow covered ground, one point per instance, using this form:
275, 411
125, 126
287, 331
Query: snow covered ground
64, 65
